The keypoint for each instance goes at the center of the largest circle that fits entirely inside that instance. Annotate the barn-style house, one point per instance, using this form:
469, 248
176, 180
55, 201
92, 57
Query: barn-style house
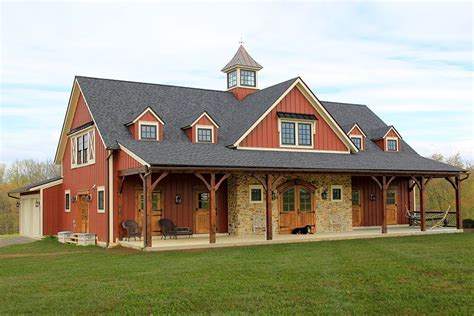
241, 162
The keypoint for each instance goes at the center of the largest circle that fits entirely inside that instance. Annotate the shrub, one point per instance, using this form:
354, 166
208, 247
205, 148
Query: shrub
468, 223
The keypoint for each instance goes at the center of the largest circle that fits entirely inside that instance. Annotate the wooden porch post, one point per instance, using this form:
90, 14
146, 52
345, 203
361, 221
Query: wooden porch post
212, 187
456, 183
269, 213
422, 204
384, 187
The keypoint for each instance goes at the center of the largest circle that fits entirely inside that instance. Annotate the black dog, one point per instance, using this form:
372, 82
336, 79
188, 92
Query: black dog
302, 230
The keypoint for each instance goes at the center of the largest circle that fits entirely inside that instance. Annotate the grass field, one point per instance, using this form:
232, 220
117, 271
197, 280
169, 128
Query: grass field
405, 275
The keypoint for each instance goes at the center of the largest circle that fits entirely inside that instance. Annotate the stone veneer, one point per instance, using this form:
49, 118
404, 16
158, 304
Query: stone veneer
330, 216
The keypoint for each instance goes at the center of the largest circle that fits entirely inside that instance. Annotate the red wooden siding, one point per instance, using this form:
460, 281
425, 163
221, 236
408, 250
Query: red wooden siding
191, 131
241, 93
357, 131
52, 209
82, 114
84, 179
124, 161
266, 135
382, 142
147, 116
372, 210
175, 184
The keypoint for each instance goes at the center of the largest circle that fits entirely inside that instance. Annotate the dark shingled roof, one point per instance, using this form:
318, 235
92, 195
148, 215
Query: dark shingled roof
379, 133
114, 103
242, 58
27, 188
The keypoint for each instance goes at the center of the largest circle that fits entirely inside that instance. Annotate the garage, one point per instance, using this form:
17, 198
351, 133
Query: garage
30, 216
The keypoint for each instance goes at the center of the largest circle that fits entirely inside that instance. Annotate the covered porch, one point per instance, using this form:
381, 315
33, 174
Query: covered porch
224, 240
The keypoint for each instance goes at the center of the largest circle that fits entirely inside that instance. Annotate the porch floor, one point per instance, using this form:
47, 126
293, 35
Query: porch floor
224, 240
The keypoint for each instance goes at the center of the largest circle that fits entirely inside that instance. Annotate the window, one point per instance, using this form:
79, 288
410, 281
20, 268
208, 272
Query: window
304, 134
356, 197
83, 149
305, 201
391, 197
247, 78
204, 135
255, 192
203, 200
101, 200
289, 201
296, 133
155, 198
392, 144
336, 193
357, 140
232, 79
148, 131
67, 201
287, 133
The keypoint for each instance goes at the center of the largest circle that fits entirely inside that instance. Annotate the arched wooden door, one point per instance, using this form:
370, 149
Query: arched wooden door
296, 207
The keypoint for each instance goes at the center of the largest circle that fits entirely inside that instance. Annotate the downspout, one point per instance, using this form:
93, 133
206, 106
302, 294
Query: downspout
109, 154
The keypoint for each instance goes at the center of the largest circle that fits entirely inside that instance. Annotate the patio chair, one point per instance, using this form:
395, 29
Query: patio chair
169, 229
132, 228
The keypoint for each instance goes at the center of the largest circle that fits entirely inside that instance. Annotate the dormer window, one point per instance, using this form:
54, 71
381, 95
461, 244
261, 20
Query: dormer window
247, 78
357, 136
296, 130
148, 130
392, 144
357, 140
232, 79
205, 134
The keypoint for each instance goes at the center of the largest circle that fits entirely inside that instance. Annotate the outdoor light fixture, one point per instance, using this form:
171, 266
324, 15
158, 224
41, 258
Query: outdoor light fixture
37, 203
178, 199
18, 204
74, 198
324, 195
89, 198
372, 196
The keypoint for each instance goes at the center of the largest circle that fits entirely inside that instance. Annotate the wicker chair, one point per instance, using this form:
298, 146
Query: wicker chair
169, 229
132, 228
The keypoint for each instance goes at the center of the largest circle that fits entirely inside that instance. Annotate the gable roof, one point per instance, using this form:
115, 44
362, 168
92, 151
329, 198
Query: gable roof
197, 120
349, 128
381, 132
148, 109
242, 58
114, 103
36, 186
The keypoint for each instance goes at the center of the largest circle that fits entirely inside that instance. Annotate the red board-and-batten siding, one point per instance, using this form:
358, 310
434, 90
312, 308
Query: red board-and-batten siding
192, 130
52, 208
382, 142
358, 132
83, 179
266, 134
146, 117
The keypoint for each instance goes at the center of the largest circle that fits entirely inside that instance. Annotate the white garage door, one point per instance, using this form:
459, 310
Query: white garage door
30, 224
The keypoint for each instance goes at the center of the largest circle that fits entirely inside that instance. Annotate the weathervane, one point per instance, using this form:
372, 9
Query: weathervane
241, 42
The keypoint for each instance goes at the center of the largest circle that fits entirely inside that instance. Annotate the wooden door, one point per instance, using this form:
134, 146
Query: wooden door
156, 211
201, 212
82, 225
356, 208
296, 209
392, 207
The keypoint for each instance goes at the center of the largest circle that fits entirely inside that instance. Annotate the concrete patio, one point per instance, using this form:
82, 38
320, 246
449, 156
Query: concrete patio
224, 240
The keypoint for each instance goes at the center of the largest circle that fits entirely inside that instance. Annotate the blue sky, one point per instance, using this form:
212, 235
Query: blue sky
412, 63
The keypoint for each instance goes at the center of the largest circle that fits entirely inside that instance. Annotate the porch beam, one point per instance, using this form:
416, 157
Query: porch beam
200, 176
134, 171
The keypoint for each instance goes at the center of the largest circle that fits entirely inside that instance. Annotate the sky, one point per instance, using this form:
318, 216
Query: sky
411, 63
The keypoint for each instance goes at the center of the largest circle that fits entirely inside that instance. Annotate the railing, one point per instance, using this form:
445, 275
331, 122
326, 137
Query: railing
434, 216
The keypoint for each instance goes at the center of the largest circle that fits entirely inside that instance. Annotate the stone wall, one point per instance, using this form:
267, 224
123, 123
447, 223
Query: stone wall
246, 217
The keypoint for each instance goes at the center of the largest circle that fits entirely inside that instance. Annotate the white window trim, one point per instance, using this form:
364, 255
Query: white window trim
67, 210
140, 123
259, 187
342, 192
296, 122
395, 139
80, 134
204, 127
361, 140
101, 188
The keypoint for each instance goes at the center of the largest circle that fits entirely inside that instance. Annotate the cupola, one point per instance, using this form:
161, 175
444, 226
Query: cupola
242, 74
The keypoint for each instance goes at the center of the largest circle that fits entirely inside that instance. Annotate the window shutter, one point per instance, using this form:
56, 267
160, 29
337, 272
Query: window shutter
73, 151
92, 145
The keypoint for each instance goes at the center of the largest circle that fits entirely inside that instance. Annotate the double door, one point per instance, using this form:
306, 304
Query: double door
296, 208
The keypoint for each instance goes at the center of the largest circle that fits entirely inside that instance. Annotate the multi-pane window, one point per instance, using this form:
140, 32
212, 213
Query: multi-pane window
357, 142
203, 200
336, 193
232, 79
392, 145
255, 194
288, 133
391, 197
304, 134
289, 200
204, 135
147, 131
355, 197
296, 133
82, 148
247, 78
305, 201
101, 199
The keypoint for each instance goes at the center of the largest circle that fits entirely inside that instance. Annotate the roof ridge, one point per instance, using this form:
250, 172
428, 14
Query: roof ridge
152, 84
346, 103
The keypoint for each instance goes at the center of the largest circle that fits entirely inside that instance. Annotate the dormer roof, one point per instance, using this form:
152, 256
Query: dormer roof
381, 133
242, 58
204, 114
147, 109
350, 127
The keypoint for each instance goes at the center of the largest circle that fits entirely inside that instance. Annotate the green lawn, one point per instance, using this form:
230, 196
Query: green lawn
407, 275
